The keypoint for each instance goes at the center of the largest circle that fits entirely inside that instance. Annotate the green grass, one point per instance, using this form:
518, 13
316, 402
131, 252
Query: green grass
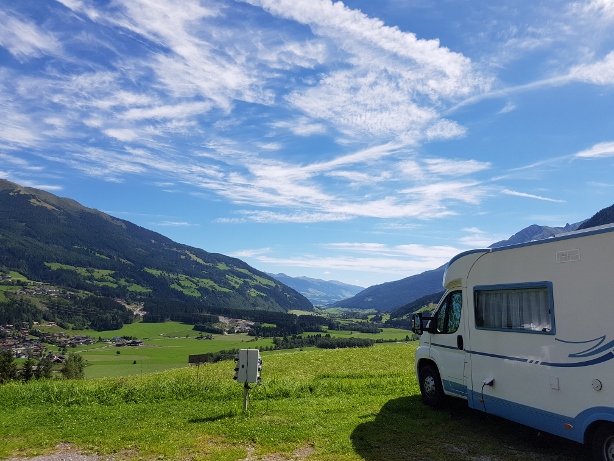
7, 288
315, 405
135, 287
18, 276
158, 354
168, 345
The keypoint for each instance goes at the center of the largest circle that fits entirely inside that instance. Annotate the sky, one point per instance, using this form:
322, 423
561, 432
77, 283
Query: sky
363, 141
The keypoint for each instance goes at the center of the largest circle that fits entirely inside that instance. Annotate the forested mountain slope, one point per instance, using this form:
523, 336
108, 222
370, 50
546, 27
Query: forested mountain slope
390, 295
605, 216
57, 240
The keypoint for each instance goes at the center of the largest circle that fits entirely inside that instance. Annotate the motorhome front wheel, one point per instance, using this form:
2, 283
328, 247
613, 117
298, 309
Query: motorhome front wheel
430, 386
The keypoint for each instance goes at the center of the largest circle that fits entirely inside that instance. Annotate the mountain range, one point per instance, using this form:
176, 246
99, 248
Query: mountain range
319, 292
57, 240
398, 294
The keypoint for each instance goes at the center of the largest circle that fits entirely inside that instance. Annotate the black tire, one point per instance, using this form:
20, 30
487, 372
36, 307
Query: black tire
430, 386
602, 443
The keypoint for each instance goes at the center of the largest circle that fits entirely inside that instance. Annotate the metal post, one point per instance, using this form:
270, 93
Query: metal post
245, 396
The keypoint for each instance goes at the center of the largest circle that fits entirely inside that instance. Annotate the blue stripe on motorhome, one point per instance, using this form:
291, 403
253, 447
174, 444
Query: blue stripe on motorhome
454, 388
497, 356
586, 363
541, 419
529, 416
444, 346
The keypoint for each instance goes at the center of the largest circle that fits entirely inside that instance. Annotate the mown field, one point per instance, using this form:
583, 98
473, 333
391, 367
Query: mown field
329, 405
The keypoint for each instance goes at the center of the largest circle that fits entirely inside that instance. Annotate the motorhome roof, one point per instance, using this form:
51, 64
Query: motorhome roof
567, 235
450, 278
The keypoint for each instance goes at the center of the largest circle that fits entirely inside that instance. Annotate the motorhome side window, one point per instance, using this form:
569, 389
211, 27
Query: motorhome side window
516, 307
449, 313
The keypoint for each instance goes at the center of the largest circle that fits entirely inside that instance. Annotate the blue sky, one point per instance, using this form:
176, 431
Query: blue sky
360, 141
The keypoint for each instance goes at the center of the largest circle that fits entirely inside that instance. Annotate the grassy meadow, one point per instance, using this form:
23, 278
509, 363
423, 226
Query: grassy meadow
328, 405
168, 345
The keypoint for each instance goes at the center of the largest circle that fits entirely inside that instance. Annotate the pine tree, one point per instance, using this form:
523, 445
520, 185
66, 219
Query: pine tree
8, 368
43, 370
73, 367
27, 371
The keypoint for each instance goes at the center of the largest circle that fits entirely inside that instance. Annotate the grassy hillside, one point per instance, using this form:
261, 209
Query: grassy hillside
59, 241
330, 405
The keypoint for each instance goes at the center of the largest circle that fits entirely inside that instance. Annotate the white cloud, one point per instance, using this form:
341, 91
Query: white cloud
597, 10
604, 149
280, 217
415, 250
36, 185
301, 126
198, 73
250, 253
177, 111
437, 192
269, 145
448, 167
478, 238
20, 163
359, 179
174, 224
123, 134
291, 54
24, 40
599, 73
379, 258
509, 107
392, 79
352, 27
444, 129
537, 197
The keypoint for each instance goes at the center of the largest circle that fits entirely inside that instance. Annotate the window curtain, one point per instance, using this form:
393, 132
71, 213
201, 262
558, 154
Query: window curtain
524, 309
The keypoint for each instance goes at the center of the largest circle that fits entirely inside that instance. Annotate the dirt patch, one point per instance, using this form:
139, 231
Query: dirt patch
300, 454
66, 452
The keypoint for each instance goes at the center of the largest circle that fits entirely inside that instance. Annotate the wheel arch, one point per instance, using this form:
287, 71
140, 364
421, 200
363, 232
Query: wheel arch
592, 427
423, 362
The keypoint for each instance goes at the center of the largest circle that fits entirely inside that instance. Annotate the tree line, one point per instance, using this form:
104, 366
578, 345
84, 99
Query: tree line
93, 312
72, 368
321, 341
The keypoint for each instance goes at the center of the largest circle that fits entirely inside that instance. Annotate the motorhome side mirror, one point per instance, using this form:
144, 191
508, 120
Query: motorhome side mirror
416, 324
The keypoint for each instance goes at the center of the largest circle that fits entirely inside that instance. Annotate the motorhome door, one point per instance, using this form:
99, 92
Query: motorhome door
448, 343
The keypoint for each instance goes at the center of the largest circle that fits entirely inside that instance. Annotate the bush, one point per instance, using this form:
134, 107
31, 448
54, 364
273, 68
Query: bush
73, 367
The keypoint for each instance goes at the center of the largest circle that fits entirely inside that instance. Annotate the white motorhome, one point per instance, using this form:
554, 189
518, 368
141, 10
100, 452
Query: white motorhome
526, 332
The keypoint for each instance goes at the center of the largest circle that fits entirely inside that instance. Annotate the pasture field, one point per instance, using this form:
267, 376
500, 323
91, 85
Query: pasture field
314, 405
157, 354
10, 288
168, 345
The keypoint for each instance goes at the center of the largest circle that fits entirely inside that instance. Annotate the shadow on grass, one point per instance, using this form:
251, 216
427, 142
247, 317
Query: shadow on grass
209, 419
406, 429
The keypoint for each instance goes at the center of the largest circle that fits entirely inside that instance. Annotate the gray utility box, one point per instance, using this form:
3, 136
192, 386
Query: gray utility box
248, 366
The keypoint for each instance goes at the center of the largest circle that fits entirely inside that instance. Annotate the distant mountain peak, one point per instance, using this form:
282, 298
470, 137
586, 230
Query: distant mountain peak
535, 232
319, 292
401, 293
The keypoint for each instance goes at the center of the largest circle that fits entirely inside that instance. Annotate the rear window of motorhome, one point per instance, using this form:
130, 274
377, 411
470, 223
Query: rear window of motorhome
525, 308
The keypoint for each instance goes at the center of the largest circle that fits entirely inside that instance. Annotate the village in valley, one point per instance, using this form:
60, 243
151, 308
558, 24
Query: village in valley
26, 342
